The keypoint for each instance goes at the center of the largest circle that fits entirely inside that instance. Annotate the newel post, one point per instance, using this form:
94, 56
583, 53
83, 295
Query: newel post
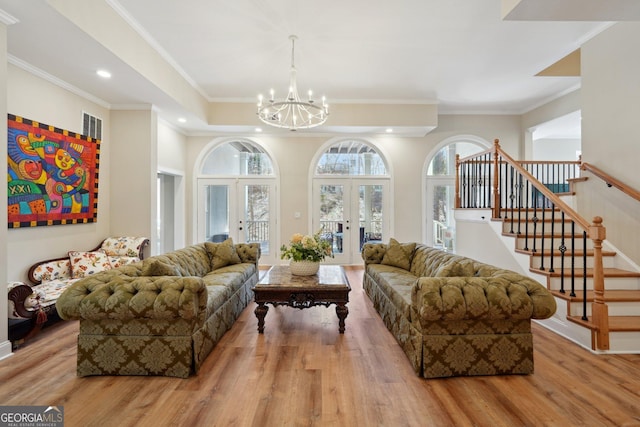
458, 203
496, 179
599, 309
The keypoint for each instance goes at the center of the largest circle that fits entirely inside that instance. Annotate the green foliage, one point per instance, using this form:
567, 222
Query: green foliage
307, 248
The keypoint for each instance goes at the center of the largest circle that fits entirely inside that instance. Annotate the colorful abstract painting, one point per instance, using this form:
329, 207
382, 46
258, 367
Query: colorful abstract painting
53, 175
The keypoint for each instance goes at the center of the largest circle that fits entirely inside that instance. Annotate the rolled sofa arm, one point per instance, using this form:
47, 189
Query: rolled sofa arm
123, 297
372, 253
248, 252
462, 298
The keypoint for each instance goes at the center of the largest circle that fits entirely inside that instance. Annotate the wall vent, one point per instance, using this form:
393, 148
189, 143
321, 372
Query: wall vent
91, 126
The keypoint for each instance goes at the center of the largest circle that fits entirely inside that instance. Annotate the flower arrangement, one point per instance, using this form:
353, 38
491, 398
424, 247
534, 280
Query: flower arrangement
307, 248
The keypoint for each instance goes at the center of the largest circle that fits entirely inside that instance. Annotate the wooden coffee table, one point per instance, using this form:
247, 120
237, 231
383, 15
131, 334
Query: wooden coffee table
280, 287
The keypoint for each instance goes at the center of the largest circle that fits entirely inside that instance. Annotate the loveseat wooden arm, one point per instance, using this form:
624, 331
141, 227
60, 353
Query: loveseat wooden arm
18, 295
104, 296
471, 298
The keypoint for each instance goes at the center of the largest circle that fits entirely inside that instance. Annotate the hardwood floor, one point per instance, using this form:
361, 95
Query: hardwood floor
302, 372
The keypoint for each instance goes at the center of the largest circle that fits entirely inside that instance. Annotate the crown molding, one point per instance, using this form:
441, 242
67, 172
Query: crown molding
56, 81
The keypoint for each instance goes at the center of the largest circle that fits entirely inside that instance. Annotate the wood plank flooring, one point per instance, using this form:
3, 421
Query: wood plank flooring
302, 372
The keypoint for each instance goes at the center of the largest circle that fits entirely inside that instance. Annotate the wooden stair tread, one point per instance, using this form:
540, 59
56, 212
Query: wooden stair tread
556, 252
613, 295
616, 323
579, 272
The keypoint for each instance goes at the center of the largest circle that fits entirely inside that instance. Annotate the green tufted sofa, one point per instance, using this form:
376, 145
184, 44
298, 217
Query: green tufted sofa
454, 316
163, 315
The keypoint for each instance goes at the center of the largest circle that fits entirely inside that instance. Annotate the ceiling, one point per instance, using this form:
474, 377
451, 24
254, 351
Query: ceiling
458, 54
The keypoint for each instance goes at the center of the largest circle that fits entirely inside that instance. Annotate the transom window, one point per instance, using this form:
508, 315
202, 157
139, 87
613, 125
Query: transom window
351, 157
237, 158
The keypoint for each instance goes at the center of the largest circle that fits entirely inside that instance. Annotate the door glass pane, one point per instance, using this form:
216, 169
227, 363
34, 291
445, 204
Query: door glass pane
370, 213
217, 213
443, 221
332, 215
256, 216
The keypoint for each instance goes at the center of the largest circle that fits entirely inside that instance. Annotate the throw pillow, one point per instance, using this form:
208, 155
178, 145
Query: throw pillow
155, 267
85, 263
222, 254
399, 254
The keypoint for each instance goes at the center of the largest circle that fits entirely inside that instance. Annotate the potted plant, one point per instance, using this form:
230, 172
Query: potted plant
306, 252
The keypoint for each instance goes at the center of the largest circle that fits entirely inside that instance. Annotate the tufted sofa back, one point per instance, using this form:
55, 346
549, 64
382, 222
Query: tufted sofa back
190, 261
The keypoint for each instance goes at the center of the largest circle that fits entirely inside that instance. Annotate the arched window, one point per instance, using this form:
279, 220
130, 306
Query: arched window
351, 200
237, 158
440, 189
351, 157
237, 196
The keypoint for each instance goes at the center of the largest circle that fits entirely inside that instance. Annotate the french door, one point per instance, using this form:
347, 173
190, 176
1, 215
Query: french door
242, 209
351, 212
441, 223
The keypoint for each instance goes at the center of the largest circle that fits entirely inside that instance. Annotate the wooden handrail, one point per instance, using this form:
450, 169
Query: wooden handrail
594, 231
544, 190
611, 181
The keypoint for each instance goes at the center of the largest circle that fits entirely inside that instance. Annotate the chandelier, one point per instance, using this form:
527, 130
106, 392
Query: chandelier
292, 112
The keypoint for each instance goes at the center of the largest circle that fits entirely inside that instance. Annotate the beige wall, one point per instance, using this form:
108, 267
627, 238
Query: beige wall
5, 346
31, 97
406, 157
133, 173
611, 100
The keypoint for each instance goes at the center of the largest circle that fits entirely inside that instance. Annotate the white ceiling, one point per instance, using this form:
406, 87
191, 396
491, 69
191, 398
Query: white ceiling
459, 54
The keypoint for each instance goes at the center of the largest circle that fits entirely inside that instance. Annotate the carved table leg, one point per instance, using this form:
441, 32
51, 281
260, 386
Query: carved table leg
261, 312
342, 311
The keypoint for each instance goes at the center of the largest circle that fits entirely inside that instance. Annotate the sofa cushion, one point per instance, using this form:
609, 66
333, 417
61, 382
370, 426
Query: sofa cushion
399, 254
395, 283
85, 263
156, 267
222, 254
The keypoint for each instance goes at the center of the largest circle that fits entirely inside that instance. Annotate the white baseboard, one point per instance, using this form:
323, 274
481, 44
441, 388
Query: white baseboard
5, 349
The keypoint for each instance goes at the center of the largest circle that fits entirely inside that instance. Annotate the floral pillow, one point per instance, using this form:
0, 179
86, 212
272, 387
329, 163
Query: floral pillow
123, 246
85, 263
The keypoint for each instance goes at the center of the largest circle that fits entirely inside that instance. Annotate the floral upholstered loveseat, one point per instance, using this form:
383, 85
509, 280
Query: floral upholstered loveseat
163, 315
33, 304
454, 316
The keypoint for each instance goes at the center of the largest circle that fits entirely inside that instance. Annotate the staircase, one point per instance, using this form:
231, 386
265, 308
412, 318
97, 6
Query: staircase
552, 267
597, 289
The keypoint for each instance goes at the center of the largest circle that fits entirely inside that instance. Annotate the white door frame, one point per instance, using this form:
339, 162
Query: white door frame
236, 206
350, 236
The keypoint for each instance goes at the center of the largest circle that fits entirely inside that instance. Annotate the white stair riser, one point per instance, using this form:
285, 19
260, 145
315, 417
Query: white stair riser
614, 308
624, 283
607, 262
522, 243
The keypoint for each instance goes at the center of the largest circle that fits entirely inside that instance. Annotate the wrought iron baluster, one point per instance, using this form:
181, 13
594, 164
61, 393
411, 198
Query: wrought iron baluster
584, 276
553, 232
563, 249
542, 239
573, 258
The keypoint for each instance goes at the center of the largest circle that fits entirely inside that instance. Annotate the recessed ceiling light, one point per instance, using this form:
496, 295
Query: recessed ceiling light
389, 130
258, 129
182, 120
104, 74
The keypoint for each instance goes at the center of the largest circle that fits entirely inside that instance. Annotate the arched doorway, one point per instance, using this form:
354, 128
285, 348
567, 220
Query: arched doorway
351, 201
236, 196
440, 188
